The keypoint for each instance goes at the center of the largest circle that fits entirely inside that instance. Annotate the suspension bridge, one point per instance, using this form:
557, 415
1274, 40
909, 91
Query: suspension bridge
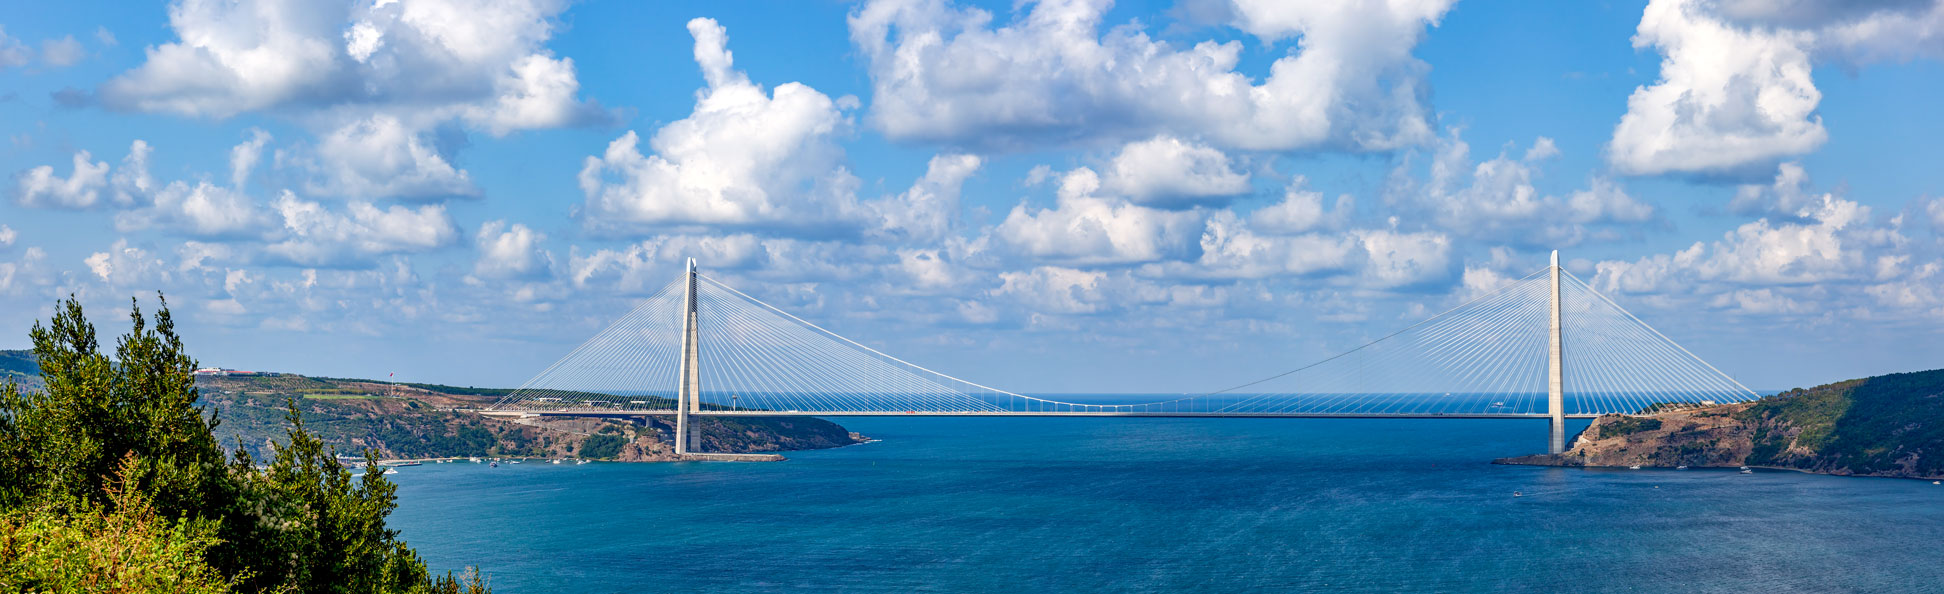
1546, 346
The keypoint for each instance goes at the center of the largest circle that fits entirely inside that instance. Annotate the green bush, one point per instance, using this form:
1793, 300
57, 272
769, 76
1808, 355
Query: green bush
602, 445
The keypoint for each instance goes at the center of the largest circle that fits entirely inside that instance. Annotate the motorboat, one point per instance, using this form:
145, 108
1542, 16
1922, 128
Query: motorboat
391, 471
1634, 467
1681, 467
1518, 494
556, 461
1747, 471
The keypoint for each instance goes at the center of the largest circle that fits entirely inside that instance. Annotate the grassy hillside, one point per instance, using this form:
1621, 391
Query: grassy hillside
1889, 425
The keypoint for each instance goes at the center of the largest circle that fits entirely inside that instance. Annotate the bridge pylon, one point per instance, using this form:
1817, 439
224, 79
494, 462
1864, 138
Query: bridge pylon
1555, 370
688, 398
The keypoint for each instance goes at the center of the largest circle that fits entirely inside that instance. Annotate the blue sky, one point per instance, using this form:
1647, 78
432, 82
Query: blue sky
1079, 195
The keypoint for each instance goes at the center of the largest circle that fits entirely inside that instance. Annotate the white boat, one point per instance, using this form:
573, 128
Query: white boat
1747, 471
556, 461
578, 463
1744, 468
514, 462
1634, 467
1937, 482
391, 471
473, 460
1681, 467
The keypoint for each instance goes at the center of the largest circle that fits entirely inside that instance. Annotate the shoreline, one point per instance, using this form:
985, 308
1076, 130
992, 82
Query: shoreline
1517, 461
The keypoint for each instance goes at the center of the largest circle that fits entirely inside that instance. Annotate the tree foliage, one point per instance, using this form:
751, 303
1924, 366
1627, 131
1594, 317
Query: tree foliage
117, 443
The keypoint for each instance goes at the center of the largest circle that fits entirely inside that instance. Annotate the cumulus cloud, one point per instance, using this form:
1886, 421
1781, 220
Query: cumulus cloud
510, 252
7, 237
1168, 172
379, 80
380, 157
928, 211
946, 73
201, 208
82, 188
1728, 96
743, 158
1829, 244
13, 53
125, 265
485, 62
1302, 210
1085, 227
1497, 199
313, 235
63, 52
1735, 93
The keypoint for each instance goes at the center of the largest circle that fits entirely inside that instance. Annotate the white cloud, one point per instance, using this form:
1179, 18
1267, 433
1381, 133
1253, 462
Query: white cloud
316, 236
13, 53
481, 61
742, 158
30, 269
648, 265
40, 187
380, 157
63, 52
202, 209
7, 236
1086, 228
1728, 96
928, 211
511, 252
1827, 240
1735, 91
1497, 199
377, 79
1302, 210
943, 73
1168, 172
124, 265
106, 37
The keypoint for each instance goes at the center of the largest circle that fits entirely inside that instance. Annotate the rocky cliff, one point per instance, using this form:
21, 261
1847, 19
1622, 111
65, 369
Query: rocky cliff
1890, 425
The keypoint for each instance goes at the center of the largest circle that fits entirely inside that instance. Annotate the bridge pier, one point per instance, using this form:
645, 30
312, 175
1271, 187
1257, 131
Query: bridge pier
688, 398
1555, 372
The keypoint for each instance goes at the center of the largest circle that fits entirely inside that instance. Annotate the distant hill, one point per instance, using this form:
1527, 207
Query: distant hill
21, 366
1888, 425
435, 421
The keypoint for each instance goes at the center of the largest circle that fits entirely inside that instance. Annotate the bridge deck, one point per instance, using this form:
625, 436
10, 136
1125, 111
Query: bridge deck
1238, 415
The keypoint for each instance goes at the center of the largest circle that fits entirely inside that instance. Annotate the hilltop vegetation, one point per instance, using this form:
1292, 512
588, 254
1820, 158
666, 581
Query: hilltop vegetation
111, 480
1889, 425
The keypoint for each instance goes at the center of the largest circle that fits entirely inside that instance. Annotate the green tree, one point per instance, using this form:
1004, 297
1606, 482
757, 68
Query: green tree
106, 434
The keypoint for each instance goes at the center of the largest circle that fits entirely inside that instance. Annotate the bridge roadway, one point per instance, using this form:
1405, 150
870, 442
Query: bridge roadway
1222, 415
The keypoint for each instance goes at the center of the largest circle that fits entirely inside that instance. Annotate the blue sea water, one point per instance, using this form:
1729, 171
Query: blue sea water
1145, 504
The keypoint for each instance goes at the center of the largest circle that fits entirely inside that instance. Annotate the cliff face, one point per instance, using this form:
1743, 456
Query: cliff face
1891, 425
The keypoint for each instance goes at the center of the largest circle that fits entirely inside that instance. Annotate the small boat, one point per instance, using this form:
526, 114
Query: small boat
580, 462
1747, 471
391, 471
514, 462
473, 460
1634, 467
1744, 468
1681, 467
495, 465
556, 461
1518, 494
1937, 482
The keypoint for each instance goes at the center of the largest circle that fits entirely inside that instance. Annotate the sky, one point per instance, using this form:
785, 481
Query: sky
1052, 196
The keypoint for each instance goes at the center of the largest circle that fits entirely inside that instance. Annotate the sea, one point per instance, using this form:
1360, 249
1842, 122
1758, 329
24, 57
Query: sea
1170, 505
